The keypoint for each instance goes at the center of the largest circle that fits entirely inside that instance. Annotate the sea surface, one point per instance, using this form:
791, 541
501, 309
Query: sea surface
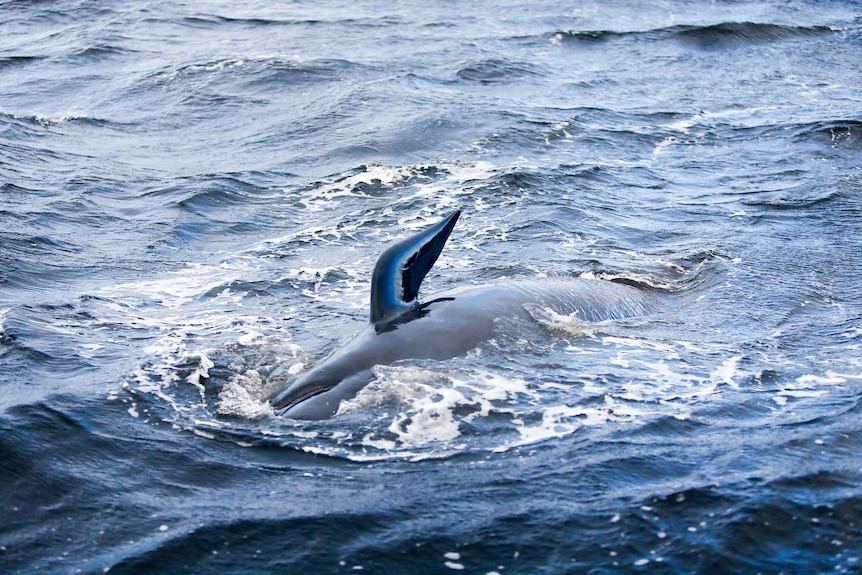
193, 196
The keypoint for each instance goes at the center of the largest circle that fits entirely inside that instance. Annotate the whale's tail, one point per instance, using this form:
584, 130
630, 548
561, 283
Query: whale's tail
402, 267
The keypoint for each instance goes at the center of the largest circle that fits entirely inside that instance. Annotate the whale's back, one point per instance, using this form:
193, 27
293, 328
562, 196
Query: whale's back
444, 326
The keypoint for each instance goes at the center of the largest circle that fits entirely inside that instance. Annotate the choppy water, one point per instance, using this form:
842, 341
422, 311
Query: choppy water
193, 197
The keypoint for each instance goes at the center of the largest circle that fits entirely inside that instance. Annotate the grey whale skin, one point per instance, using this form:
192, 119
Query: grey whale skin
447, 325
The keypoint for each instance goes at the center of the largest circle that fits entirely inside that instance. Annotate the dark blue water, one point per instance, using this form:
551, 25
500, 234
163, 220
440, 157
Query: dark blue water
193, 198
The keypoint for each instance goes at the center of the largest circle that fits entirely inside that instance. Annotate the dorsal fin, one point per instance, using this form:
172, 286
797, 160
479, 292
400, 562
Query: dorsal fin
402, 267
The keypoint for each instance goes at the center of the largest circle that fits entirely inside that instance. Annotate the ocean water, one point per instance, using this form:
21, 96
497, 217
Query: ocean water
192, 198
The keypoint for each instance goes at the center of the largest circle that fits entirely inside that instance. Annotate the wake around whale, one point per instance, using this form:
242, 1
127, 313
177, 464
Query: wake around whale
447, 325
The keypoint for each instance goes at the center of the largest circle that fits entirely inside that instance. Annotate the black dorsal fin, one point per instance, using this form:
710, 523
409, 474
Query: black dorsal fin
402, 267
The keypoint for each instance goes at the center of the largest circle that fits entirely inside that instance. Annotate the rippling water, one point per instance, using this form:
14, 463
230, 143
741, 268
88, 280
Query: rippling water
193, 198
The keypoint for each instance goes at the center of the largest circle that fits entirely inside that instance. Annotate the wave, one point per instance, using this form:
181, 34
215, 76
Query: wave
19, 245
845, 135
100, 52
17, 61
275, 70
797, 197
280, 72
221, 198
711, 36
210, 20
216, 20
46, 346
836, 137
727, 33
14, 120
588, 36
496, 70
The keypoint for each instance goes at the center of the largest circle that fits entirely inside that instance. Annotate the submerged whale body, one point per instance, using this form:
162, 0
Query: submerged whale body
447, 325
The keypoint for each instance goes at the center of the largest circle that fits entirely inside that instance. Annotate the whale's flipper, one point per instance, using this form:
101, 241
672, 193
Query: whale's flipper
403, 266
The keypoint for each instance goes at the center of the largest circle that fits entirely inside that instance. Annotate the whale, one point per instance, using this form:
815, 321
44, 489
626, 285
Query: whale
445, 325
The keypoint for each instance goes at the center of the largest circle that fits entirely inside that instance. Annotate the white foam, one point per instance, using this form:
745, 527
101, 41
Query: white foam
372, 175
744, 117
245, 395
426, 410
247, 392
571, 324
201, 371
211, 67
557, 421
426, 404
250, 338
176, 289
448, 180
430, 407
351, 293
430, 419
46, 120
818, 380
